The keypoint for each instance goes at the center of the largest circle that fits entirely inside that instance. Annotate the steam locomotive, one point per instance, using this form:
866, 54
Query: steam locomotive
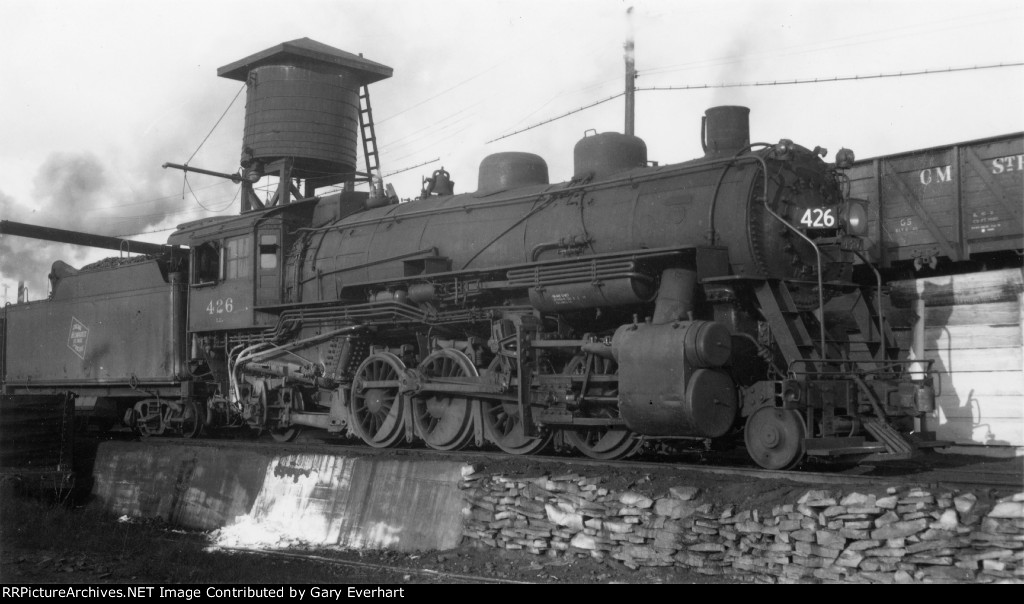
635, 303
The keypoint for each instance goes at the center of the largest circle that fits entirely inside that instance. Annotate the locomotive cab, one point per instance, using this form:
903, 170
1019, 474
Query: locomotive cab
237, 266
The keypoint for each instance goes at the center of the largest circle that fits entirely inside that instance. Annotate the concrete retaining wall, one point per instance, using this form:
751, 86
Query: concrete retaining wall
262, 499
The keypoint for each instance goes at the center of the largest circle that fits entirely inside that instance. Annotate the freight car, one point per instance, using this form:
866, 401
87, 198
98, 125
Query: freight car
632, 303
953, 208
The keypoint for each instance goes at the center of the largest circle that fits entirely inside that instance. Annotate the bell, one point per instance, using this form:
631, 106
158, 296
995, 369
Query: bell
442, 182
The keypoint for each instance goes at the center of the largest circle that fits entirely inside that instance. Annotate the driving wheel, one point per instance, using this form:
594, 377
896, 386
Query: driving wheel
600, 442
377, 404
503, 425
444, 420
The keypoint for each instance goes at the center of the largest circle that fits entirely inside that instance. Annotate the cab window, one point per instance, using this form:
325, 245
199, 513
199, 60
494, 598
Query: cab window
206, 263
237, 258
268, 252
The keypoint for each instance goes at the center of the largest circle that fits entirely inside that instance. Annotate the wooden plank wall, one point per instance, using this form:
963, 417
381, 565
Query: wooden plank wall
972, 332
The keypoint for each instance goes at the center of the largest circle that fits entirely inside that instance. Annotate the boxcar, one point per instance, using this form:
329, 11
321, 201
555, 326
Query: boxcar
953, 203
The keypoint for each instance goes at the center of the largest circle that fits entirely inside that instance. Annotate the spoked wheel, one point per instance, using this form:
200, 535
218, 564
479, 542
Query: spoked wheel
287, 398
377, 404
504, 427
775, 438
444, 420
600, 442
191, 422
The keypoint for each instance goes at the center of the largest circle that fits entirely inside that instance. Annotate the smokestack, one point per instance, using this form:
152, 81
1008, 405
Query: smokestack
22, 292
725, 131
630, 74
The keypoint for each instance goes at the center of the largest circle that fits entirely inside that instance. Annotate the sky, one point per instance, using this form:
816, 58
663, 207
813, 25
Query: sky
95, 95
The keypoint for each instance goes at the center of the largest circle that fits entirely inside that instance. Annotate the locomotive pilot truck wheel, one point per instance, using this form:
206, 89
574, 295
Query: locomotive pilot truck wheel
775, 438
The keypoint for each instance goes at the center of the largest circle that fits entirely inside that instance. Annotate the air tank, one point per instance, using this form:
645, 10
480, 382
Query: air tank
302, 103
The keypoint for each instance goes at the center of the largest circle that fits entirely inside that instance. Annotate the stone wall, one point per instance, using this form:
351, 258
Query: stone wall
906, 535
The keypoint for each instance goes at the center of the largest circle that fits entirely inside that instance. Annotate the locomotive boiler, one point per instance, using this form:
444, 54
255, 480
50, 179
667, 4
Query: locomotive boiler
632, 303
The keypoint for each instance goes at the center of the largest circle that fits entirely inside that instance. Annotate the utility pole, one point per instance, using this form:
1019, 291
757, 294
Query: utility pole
630, 75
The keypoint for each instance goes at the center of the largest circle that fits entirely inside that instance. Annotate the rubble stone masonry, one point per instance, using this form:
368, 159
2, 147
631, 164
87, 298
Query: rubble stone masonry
908, 535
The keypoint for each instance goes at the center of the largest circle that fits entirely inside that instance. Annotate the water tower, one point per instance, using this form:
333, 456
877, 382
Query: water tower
306, 105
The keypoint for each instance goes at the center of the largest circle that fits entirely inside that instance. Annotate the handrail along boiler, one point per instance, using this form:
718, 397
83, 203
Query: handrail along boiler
633, 303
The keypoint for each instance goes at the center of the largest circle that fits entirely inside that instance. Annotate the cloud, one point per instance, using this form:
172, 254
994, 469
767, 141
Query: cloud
27, 260
76, 191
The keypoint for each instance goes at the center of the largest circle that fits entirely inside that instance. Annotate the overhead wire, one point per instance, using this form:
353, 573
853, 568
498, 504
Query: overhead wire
762, 84
443, 92
217, 123
184, 175
871, 37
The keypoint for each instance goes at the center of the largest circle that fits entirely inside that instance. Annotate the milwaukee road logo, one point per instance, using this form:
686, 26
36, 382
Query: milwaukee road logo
78, 338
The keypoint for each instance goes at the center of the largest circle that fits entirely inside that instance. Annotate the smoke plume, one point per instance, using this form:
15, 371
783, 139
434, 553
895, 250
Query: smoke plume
75, 191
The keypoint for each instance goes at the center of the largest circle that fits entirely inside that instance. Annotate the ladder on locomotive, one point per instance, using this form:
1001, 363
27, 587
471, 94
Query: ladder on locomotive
796, 332
369, 136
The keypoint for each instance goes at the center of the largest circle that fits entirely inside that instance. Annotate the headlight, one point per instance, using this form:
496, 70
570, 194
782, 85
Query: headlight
845, 158
855, 216
783, 149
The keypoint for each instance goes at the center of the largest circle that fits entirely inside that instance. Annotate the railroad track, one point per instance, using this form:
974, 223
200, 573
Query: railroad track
387, 571
882, 474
